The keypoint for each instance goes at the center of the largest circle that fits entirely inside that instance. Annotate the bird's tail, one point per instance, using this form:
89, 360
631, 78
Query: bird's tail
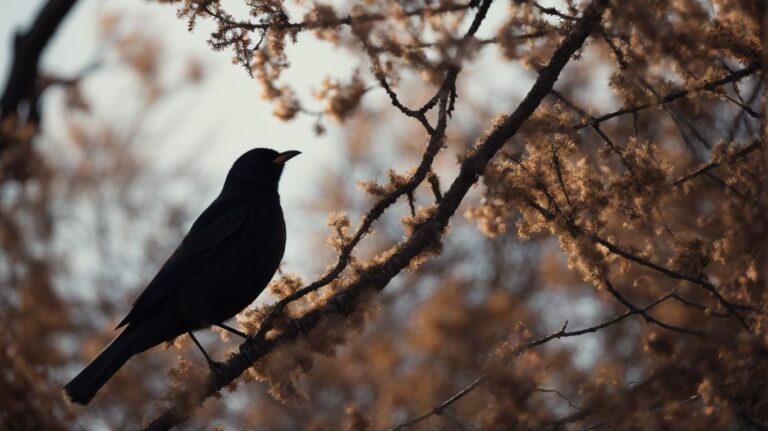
85, 385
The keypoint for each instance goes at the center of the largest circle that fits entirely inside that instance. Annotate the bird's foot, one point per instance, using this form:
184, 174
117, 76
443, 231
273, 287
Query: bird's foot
218, 369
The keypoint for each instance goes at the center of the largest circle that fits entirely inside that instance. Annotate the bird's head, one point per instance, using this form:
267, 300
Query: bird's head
259, 166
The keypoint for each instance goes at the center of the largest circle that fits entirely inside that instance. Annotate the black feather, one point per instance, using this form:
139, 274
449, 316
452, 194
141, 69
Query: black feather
225, 261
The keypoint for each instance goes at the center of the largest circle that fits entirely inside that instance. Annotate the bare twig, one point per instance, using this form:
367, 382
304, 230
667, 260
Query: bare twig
559, 394
419, 115
478, 41
558, 170
449, 82
646, 316
748, 110
713, 165
434, 184
561, 333
613, 248
594, 124
553, 11
687, 302
709, 86
411, 203
740, 116
438, 410
231, 24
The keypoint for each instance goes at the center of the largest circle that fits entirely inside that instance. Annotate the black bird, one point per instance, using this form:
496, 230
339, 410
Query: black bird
225, 261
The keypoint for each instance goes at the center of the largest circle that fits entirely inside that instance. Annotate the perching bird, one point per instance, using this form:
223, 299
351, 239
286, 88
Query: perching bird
225, 261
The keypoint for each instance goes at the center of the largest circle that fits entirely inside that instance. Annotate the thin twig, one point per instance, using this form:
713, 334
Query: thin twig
687, 302
709, 86
613, 248
434, 184
646, 316
558, 170
348, 20
419, 115
552, 11
713, 165
449, 82
559, 394
595, 125
561, 333
438, 410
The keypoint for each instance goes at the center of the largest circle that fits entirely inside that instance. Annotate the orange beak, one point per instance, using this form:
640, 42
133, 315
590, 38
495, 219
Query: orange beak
285, 156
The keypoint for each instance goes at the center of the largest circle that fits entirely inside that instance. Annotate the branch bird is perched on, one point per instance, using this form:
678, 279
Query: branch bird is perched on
225, 261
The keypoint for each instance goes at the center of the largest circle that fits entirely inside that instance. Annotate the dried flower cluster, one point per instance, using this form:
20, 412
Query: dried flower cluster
593, 257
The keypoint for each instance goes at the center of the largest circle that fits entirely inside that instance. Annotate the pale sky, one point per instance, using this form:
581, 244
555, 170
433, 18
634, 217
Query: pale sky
212, 125
226, 112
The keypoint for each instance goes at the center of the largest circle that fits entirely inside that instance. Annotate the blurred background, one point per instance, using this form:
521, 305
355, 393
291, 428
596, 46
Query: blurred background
182, 106
138, 120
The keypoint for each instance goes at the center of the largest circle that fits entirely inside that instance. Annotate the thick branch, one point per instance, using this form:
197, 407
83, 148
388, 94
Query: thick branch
27, 49
423, 237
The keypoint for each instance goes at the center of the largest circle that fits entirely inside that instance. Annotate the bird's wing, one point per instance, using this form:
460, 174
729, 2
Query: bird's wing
211, 232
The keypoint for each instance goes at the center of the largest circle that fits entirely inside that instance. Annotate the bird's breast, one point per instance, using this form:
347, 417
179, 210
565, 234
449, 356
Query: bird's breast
250, 261
264, 243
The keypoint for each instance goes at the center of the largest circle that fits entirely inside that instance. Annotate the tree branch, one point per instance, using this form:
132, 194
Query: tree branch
423, 237
613, 248
709, 86
345, 20
438, 410
713, 165
594, 124
646, 316
449, 82
561, 333
27, 48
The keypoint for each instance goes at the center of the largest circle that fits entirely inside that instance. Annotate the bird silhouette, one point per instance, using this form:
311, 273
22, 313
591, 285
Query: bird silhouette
225, 261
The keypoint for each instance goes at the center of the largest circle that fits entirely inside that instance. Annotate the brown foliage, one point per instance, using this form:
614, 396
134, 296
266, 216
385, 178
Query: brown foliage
607, 272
